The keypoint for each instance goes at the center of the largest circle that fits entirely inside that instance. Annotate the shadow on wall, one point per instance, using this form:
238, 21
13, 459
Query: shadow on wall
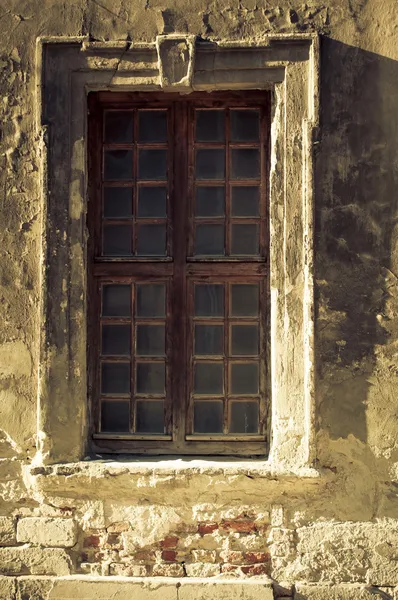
356, 208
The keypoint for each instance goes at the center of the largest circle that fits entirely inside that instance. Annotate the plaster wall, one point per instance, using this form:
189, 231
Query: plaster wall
326, 532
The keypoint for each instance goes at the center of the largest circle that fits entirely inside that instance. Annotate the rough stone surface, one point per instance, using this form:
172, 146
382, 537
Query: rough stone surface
34, 561
47, 532
7, 531
342, 592
7, 588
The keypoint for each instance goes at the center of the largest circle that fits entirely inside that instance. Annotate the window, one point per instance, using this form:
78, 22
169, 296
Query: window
179, 264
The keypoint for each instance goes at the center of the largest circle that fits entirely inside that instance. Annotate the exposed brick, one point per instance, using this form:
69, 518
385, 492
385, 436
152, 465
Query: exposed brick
146, 556
169, 542
234, 557
168, 570
254, 570
240, 526
204, 528
7, 531
92, 541
113, 542
257, 557
204, 556
118, 527
169, 555
55, 532
202, 570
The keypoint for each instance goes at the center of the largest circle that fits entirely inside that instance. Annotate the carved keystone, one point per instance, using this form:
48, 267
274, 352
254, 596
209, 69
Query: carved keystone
176, 56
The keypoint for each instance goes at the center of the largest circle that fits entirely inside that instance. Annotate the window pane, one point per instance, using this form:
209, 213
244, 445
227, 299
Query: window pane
152, 126
209, 339
245, 239
152, 201
119, 126
116, 340
115, 378
151, 298
150, 340
244, 300
208, 417
244, 417
150, 378
115, 416
245, 163
245, 201
118, 202
245, 125
210, 164
152, 164
117, 240
116, 300
209, 240
210, 125
210, 201
151, 240
208, 378
244, 340
209, 300
150, 416
244, 378
118, 164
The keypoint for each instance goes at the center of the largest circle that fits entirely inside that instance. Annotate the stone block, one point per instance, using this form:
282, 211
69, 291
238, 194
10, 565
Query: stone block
86, 588
34, 588
7, 531
56, 532
340, 592
7, 588
226, 590
34, 561
202, 570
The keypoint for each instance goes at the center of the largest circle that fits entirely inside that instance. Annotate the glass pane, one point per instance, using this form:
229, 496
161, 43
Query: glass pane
208, 417
209, 240
210, 201
244, 417
244, 300
244, 378
151, 240
151, 299
209, 378
118, 164
116, 340
210, 125
115, 416
116, 300
118, 202
150, 378
150, 340
152, 201
117, 240
245, 163
244, 340
150, 417
245, 239
210, 164
245, 201
152, 126
115, 378
152, 164
209, 300
119, 127
245, 125
209, 339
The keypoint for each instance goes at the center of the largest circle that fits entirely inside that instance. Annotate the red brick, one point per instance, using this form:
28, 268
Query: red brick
169, 542
257, 557
113, 542
146, 556
169, 555
239, 526
234, 557
118, 527
259, 569
92, 541
168, 570
204, 528
230, 569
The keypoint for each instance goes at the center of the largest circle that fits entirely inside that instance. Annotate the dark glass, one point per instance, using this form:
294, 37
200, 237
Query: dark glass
209, 240
245, 239
115, 416
115, 378
210, 163
244, 378
210, 201
210, 125
245, 201
151, 240
150, 340
118, 202
151, 300
150, 378
116, 340
244, 340
208, 378
117, 240
245, 125
118, 164
209, 300
152, 201
152, 164
119, 127
209, 340
150, 416
245, 163
116, 300
208, 417
244, 300
152, 126
244, 417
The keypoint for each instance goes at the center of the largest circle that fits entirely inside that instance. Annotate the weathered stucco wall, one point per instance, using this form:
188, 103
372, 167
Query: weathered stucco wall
327, 533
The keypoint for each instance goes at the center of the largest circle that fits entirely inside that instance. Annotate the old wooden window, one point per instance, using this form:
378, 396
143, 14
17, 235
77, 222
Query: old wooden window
178, 253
